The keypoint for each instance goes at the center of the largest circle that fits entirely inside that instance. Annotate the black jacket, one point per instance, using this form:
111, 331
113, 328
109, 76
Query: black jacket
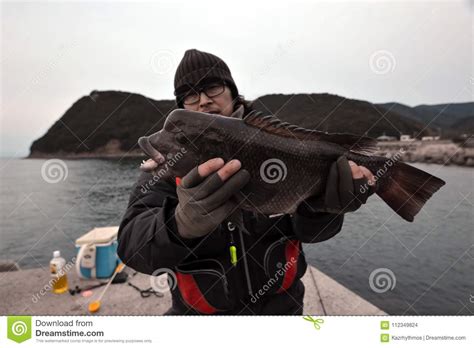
266, 279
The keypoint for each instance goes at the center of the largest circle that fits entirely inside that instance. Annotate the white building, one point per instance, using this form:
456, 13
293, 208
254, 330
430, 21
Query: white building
429, 138
406, 137
386, 138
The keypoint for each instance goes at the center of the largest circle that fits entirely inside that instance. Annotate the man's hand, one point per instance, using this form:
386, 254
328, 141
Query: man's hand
204, 196
348, 187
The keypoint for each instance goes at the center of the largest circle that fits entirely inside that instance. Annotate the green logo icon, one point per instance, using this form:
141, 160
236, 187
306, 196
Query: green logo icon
384, 338
19, 328
316, 322
384, 325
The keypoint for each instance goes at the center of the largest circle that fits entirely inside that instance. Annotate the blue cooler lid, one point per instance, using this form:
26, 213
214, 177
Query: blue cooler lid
99, 235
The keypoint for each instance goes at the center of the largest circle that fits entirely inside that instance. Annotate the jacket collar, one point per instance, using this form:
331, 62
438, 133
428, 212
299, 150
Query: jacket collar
239, 113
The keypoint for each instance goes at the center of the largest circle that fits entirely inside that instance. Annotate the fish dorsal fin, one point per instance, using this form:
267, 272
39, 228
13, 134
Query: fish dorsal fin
273, 125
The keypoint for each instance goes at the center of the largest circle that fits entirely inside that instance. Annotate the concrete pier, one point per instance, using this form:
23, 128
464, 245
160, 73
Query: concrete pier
27, 292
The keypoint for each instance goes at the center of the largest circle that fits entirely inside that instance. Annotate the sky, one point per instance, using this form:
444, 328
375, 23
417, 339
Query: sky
53, 53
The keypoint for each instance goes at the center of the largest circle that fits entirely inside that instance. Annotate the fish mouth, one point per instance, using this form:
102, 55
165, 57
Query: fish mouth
156, 158
148, 165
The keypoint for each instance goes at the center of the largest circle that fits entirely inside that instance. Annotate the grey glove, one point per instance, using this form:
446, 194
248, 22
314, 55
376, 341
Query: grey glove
343, 193
205, 202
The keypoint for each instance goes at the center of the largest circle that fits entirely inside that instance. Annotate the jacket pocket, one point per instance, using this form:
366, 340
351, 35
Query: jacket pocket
284, 263
203, 286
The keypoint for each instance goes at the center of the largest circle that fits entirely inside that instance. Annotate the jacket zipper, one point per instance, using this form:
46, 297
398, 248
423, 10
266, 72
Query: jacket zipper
231, 228
211, 272
246, 266
221, 276
269, 250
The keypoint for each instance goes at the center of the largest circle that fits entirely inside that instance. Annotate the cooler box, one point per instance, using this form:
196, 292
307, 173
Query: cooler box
97, 253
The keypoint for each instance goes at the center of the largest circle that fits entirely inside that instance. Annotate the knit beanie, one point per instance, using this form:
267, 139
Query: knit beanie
198, 67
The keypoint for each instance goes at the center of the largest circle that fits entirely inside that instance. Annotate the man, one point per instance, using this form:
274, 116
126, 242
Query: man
213, 267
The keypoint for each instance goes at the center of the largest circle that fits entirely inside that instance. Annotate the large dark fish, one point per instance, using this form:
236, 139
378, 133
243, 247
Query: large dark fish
287, 163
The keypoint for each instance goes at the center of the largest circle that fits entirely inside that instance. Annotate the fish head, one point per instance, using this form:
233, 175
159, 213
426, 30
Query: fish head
182, 143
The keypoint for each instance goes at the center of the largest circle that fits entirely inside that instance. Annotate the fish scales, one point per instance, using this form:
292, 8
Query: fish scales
287, 163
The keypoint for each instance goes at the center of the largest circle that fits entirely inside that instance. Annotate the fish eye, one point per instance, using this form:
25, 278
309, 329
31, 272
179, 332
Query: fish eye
181, 138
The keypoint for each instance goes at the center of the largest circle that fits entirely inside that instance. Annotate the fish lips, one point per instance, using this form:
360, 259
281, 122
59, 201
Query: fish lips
153, 153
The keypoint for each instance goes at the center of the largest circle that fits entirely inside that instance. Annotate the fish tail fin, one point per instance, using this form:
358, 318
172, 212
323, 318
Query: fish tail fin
407, 189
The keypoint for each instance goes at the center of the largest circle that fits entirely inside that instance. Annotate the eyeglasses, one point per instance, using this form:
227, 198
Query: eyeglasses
211, 90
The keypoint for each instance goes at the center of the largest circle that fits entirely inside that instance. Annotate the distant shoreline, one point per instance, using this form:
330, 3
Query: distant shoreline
86, 155
443, 152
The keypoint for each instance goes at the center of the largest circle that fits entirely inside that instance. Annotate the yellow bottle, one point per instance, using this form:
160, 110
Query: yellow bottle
58, 273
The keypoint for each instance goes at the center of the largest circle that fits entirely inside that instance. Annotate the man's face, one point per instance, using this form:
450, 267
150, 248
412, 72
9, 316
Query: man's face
221, 103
